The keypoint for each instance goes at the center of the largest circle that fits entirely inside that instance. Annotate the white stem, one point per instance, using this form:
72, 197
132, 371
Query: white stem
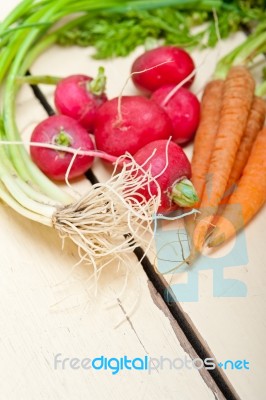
35, 195
24, 200
11, 202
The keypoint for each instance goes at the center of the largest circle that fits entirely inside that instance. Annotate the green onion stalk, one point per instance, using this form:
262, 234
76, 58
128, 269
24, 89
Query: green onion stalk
250, 53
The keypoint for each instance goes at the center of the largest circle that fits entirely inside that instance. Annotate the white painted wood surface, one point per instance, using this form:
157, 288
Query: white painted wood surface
235, 328
45, 310
46, 307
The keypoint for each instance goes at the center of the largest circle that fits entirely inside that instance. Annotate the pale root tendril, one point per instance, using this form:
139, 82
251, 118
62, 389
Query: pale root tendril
112, 219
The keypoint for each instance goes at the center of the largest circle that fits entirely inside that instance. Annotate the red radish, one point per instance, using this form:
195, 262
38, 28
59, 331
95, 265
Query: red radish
127, 129
175, 65
176, 189
64, 131
183, 109
79, 96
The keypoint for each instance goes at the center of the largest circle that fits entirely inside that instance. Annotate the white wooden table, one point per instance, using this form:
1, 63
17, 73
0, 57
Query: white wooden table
47, 309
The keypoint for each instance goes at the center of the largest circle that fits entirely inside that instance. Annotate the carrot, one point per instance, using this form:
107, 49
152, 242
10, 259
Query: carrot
206, 133
204, 142
248, 198
236, 103
254, 125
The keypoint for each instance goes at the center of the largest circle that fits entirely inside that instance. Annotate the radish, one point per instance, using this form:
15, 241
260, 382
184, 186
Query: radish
183, 109
127, 123
161, 66
171, 169
79, 96
61, 130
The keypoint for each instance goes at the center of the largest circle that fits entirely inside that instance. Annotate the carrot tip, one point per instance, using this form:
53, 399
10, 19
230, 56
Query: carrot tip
216, 239
194, 254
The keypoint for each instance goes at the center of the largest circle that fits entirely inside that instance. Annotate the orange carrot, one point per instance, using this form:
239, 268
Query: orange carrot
237, 98
248, 198
254, 125
204, 141
205, 136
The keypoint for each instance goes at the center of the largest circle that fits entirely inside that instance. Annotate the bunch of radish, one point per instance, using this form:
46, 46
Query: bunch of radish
149, 126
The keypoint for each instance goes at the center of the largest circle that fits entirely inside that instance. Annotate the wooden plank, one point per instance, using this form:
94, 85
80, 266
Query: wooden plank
48, 309
234, 327
231, 322
36, 325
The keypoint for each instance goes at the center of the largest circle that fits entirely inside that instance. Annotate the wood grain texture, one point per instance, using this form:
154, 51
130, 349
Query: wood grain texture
47, 308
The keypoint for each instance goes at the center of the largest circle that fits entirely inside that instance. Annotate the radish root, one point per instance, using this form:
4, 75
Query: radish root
112, 219
119, 100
